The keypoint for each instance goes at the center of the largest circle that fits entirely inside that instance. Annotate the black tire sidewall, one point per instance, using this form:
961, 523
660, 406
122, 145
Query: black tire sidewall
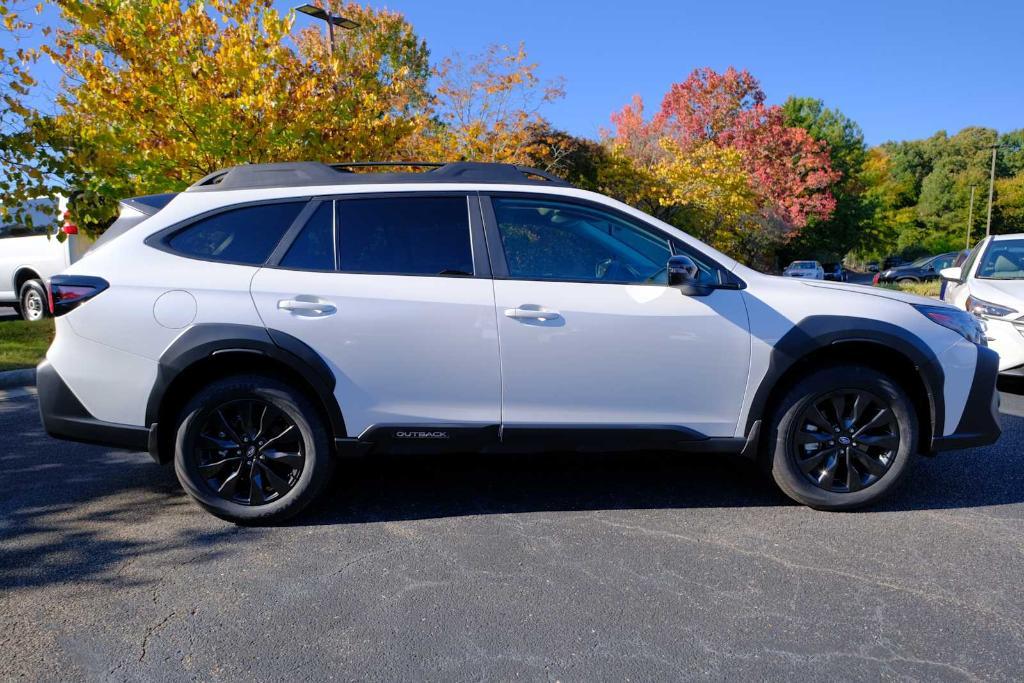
783, 466
318, 461
37, 286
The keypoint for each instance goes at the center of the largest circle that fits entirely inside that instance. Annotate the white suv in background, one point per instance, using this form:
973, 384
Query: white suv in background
31, 253
273, 319
806, 269
990, 284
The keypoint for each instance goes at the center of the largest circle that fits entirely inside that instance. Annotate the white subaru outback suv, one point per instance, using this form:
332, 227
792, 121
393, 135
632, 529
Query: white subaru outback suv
273, 319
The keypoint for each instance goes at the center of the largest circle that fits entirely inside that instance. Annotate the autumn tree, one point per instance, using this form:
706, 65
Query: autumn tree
22, 161
487, 107
159, 93
752, 181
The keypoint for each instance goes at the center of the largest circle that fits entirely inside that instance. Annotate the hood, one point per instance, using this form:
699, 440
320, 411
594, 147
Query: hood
877, 291
1004, 292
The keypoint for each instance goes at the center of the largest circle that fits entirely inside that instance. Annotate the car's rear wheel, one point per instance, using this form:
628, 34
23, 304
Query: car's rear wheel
252, 449
32, 302
844, 436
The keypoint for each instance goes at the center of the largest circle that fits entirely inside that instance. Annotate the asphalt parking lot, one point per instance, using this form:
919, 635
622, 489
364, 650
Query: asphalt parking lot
630, 567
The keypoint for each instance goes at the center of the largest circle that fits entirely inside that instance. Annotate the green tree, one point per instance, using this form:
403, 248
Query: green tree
831, 239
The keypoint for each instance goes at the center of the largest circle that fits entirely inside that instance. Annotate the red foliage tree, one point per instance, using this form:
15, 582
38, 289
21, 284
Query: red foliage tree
790, 170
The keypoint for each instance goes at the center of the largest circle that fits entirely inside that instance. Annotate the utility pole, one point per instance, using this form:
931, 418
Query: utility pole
991, 189
970, 219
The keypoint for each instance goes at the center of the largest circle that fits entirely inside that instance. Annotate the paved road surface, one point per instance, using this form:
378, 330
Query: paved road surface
634, 567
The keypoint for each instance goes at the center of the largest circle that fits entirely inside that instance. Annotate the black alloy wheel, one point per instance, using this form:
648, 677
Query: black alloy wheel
249, 452
845, 440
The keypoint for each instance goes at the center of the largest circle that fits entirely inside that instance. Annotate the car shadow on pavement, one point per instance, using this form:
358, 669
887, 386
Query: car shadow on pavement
75, 514
400, 488
81, 514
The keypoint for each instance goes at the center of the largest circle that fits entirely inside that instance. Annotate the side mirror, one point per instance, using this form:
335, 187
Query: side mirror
953, 273
683, 274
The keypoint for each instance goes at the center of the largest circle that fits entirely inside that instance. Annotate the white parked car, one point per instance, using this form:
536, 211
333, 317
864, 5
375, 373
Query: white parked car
31, 253
805, 269
990, 284
273, 319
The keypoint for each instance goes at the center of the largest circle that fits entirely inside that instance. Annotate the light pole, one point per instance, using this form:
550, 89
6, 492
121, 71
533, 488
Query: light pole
970, 217
332, 20
991, 188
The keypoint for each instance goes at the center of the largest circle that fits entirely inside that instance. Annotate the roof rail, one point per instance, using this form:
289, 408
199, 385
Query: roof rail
312, 173
387, 164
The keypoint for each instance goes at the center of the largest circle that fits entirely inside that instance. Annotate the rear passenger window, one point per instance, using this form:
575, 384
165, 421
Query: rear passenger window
246, 235
405, 236
313, 249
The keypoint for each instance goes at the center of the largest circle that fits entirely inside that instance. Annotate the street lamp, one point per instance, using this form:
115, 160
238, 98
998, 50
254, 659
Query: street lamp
332, 21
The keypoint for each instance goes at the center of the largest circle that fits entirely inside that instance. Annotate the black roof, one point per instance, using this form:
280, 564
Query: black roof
309, 173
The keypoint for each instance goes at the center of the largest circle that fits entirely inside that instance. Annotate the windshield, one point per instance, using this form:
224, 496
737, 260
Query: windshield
921, 261
1003, 260
803, 265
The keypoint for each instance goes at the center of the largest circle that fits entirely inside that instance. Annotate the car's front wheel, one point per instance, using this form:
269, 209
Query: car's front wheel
843, 438
252, 449
32, 301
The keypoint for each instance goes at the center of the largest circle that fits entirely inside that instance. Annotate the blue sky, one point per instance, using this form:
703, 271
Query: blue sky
902, 68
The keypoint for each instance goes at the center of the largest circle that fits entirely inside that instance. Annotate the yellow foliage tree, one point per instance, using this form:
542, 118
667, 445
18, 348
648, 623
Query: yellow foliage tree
487, 108
158, 93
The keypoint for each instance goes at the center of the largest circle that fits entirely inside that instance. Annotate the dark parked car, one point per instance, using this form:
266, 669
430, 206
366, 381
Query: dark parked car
923, 269
835, 272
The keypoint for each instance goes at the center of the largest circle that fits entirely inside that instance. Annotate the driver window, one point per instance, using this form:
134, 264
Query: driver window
549, 240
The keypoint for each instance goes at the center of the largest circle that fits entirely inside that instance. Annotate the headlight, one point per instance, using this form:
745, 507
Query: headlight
988, 310
963, 323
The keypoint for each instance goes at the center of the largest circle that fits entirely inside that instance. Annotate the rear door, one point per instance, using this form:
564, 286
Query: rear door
393, 291
591, 335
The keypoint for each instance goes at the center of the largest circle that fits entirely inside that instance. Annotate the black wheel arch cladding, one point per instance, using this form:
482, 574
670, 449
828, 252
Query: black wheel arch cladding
204, 341
816, 333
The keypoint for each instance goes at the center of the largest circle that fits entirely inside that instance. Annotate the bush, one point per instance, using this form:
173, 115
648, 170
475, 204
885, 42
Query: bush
920, 288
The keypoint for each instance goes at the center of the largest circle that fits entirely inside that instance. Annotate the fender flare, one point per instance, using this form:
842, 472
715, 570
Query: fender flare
817, 332
203, 341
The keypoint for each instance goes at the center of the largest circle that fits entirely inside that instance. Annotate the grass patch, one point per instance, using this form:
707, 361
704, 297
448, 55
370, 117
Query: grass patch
920, 288
23, 344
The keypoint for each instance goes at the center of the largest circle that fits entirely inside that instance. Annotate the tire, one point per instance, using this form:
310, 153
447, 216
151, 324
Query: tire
906, 281
204, 458
32, 301
797, 440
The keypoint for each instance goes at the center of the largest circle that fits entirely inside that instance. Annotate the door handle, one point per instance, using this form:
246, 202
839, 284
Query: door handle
311, 308
531, 314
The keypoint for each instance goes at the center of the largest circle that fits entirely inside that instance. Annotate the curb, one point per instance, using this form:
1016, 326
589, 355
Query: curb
17, 378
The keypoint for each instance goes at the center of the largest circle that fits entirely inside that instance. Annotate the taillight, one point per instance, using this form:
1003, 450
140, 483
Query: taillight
67, 292
68, 228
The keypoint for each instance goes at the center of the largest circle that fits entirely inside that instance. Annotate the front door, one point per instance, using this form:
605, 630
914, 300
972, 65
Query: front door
592, 336
389, 295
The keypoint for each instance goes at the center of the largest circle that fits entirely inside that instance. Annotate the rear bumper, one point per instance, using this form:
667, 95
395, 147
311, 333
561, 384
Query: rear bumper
979, 424
64, 416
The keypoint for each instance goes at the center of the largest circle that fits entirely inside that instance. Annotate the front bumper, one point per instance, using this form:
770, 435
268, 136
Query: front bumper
64, 416
1006, 339
979, 423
